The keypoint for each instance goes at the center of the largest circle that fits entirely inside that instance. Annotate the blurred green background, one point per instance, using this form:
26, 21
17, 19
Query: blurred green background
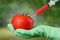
8, 8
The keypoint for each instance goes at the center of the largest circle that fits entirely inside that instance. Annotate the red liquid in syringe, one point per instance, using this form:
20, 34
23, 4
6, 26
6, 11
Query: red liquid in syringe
41, 10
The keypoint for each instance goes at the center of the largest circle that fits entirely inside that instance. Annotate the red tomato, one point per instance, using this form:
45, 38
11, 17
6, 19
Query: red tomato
22, 22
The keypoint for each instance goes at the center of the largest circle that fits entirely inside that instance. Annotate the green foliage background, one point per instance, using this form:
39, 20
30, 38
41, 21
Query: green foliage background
8, 8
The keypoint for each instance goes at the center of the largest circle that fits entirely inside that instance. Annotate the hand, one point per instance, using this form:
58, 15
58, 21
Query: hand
35, 32
52, 33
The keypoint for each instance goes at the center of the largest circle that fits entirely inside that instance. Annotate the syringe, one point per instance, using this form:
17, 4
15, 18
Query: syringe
45, 7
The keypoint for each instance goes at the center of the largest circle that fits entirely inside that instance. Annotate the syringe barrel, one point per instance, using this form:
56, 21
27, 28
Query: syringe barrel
41, 10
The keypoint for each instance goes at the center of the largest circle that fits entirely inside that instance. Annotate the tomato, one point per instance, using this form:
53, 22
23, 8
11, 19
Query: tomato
22, 22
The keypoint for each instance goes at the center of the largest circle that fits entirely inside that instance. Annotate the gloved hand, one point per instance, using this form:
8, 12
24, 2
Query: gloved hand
35, 32
51, 33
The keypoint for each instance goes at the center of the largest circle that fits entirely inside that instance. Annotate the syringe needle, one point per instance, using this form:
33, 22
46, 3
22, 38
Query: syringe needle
33, 16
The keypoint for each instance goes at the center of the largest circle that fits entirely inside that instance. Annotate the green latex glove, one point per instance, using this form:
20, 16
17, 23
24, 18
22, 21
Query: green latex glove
52, 33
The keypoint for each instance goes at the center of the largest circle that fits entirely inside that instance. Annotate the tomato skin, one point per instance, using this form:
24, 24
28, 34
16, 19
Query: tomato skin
22, 22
